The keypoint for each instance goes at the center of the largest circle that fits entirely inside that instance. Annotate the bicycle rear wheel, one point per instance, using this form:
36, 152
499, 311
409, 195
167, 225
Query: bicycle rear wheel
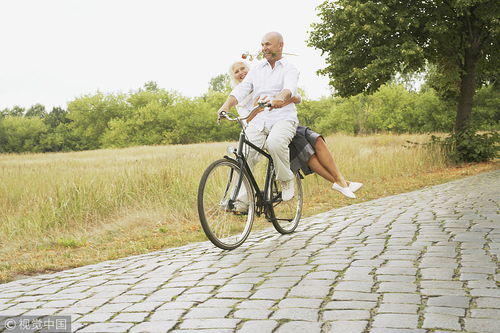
225, 226
286, 213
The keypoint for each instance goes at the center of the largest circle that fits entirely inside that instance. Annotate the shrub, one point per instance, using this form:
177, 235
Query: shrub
469, 146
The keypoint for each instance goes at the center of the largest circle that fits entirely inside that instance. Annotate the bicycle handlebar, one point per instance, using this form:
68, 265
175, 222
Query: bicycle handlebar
228, 115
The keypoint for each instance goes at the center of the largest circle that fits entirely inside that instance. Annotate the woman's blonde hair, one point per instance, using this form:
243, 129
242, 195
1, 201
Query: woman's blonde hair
234, 83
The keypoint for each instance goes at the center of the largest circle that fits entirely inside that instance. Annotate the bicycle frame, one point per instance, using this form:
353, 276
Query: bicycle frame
262, 205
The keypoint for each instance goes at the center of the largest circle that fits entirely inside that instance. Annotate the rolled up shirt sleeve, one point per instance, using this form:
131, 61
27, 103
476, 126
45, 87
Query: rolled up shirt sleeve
291, 79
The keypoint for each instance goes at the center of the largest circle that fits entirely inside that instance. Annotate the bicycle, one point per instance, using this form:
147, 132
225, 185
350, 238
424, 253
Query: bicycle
227, 180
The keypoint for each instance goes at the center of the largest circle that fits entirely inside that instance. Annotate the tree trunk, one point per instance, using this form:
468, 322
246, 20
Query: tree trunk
467, 90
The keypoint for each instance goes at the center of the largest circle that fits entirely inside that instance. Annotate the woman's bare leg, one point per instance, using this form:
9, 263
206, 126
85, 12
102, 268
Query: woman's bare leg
317, 167
325, 158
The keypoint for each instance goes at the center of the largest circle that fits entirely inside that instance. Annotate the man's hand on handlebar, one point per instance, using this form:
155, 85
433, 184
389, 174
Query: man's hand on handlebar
277, 103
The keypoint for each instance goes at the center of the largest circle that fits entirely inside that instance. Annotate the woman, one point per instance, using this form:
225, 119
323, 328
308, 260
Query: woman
308, 149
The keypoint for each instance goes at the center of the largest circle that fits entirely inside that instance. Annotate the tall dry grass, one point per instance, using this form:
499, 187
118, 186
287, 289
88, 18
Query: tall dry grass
66, 209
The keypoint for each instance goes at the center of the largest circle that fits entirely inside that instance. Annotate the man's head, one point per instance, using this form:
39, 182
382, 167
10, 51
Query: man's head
272, 46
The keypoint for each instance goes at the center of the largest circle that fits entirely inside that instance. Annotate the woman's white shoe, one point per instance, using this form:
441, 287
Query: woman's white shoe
354, 186
344, 190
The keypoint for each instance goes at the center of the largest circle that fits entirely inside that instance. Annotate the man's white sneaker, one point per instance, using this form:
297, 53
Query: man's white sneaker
354, 186
344, 190
287, 189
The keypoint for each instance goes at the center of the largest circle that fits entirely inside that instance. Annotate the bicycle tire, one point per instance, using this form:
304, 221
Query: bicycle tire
222, 225
286, 214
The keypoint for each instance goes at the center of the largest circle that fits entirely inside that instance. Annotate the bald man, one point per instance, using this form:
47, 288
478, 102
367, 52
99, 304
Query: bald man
276, 78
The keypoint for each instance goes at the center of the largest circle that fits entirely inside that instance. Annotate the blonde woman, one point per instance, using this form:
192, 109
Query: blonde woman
308, 149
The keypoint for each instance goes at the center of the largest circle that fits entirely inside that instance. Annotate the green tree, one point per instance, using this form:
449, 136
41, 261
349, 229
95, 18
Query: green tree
90, 116
367, 42
55, 117
22, 134
16, 111
220, 83
36, 111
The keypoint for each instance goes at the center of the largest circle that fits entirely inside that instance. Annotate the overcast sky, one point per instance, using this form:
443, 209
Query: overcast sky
53, 51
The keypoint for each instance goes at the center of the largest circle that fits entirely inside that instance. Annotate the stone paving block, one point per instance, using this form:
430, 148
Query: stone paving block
309, 291
166, 315
193, 297
354, 286
354, 296
346, 315
485, 313
233, 294
315, 283
97, 317
481, 284
300, 303
255, 304
485, 292
216, 303
351, 305
130, 317
403, 298
75, 310
236, 287
260, 326
473, 276
156, 327
397, 270
329, 275
397, 287
488, 302
296, 314
396, 278
389, 320
107, 327
397, 308
219, 323
143, 307
252, 314
396, 330
437, 273
482, 325
348, 326
444, 310
299, 326
434, 320
442, 292
175, 305
450, 301
207, 313
269, 293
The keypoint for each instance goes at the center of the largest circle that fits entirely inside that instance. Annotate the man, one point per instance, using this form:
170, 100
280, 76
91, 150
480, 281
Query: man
275, 127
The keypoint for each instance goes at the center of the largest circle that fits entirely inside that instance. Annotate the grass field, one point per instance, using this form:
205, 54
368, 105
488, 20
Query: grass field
63, 210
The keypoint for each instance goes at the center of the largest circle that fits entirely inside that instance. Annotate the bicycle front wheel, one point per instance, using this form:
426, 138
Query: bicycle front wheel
286, 213
226, 216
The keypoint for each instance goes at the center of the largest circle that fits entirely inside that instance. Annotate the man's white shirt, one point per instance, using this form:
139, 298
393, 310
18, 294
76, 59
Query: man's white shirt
262, 80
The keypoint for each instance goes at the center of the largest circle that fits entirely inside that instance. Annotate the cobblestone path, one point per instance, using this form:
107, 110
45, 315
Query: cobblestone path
424, 261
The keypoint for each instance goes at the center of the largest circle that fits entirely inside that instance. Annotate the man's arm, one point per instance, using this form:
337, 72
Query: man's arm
290, 82
279, 100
